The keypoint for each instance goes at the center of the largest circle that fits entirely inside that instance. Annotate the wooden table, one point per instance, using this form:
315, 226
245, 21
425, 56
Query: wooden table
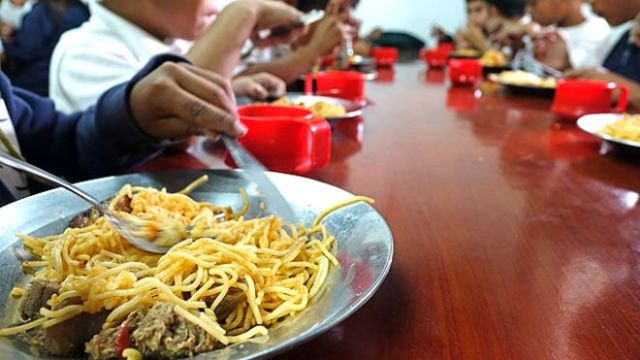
515, 238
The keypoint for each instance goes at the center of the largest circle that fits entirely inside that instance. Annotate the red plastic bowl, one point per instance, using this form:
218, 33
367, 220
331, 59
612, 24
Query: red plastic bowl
285, 139
465, 71
385, 56
348, 85
436, 58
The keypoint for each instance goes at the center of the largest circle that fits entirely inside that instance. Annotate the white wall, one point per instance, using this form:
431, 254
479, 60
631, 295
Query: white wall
415, 16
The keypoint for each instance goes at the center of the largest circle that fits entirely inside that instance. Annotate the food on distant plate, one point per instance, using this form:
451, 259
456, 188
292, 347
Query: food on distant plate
523, 78
232, 280
627, 128
466, 53
321, 108
493, 58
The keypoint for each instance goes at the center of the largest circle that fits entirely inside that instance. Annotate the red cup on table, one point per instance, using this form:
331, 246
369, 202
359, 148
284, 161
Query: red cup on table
348, 85
385, 56
465, 72
436, 58
576, 98
284, 138
447, 47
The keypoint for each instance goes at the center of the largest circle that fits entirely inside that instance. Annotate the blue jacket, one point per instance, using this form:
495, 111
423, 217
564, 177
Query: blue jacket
29, 53
103, 140
624, 59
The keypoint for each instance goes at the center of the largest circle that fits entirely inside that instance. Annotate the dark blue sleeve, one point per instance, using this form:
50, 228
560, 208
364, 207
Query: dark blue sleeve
32, 40
103, 140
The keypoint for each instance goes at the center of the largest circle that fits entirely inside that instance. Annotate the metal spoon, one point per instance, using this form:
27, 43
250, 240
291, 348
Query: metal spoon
124, 227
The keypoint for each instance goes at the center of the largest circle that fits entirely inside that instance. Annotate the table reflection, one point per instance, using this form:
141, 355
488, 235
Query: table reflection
434, 76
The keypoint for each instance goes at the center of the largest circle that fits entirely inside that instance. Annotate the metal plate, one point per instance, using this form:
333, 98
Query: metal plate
594, 124
530, 90
365, 247
353, 108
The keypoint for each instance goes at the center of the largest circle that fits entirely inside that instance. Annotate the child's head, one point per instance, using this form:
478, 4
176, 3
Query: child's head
550, 12
184, 19
187, 19
477, 12
308, 5
508, 9
503, 11
616, 12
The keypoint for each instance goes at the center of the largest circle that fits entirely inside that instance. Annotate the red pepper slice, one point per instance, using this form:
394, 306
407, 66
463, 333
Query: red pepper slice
122, 340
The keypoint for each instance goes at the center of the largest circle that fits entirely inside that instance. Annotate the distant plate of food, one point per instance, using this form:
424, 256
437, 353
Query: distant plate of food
619, 129
465, 54
241, 285
525, 83
330, 108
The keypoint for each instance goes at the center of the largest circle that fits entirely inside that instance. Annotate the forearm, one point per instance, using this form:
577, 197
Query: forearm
103, 140
634, 98
289, 67
218, 50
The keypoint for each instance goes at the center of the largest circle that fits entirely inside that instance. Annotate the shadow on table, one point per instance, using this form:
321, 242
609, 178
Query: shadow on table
371, 331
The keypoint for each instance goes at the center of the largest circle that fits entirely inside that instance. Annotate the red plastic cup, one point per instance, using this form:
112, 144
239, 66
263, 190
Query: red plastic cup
342, 84
576, 98
385, 56
447, 47
284, 138
436, 58
465, 72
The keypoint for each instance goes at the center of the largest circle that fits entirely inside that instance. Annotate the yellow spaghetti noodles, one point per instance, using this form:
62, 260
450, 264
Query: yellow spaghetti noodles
278, 267
627, 128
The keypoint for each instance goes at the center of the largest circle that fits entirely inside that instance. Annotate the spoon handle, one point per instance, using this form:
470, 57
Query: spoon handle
47, 177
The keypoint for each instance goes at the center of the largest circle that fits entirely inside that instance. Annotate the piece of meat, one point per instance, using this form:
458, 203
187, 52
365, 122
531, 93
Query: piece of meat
103, 345
36, 296
228, 304
69, 337
161, 333
84, 219
90, 216
164, 334
106, 344
124, 204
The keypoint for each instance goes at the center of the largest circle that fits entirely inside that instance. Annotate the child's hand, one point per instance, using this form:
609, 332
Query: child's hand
551, 49
328, 36
259, 86
179, 100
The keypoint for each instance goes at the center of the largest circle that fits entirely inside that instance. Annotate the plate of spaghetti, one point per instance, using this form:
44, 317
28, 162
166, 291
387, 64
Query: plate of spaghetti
243, 284
619, 129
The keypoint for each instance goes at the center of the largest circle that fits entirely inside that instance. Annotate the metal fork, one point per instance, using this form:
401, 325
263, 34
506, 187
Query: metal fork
124, 227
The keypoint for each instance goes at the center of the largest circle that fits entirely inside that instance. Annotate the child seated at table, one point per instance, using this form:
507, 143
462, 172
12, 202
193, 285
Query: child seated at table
622, 64
474, 36
122, 35
167, 99
504, 18
575, 37
27, 52
324, 41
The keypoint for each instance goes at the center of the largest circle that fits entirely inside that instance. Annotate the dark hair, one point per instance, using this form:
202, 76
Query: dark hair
510, 8
308, 5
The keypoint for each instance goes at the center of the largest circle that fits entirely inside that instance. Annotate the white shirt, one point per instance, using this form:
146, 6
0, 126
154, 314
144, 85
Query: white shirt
13, 14
587, 42
105, 51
